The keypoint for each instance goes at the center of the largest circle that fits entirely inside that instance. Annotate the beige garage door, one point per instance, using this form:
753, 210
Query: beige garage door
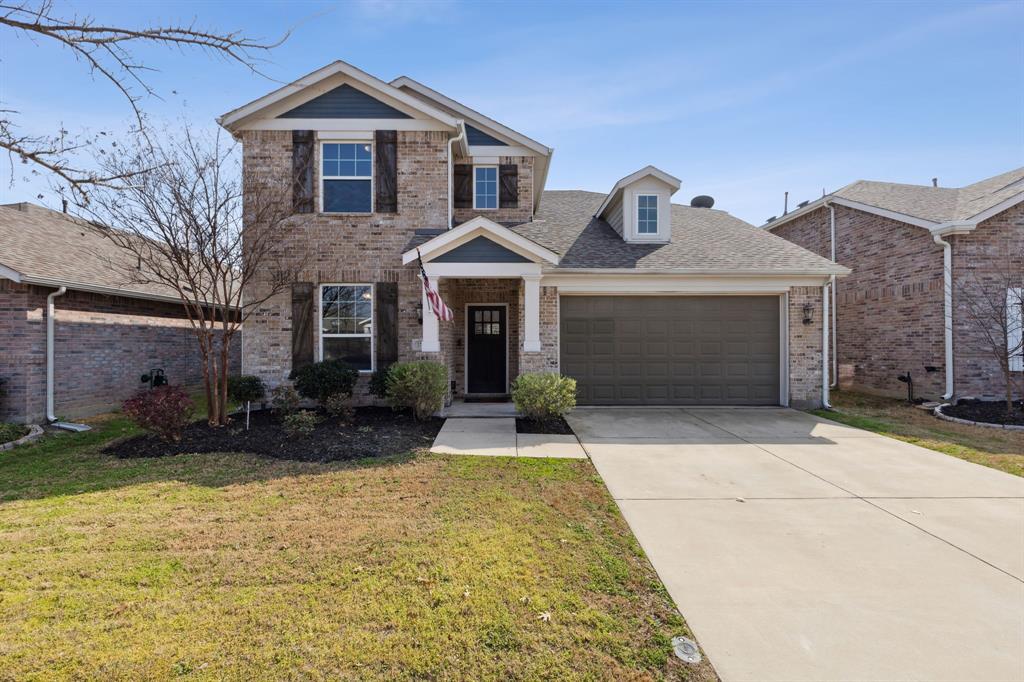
672, 350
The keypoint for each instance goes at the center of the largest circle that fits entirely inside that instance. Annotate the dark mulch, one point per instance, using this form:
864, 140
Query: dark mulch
556, 426
988, 411
374, 432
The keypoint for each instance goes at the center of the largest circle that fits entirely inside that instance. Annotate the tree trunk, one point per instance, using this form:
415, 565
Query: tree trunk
1009, 386
204, 352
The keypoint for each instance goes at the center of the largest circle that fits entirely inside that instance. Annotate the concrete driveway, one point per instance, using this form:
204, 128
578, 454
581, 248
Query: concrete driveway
801, 549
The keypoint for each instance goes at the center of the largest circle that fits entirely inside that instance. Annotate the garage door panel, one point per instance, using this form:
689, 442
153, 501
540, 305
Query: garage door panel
639, 350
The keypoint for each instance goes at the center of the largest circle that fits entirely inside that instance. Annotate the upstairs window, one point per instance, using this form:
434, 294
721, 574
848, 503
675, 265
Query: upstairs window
485, 187
347, 177
346, 324
647, 214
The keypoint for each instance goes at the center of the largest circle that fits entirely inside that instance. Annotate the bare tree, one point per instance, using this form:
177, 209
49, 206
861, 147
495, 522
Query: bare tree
107, 52
990, 297
194, 225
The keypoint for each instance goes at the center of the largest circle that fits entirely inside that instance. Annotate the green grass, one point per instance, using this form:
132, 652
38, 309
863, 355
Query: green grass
995, 448
233, 566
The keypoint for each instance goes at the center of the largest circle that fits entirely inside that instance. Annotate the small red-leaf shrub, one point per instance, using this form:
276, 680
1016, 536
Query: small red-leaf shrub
165, 411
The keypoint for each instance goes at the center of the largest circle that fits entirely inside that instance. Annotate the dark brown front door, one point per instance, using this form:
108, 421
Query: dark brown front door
486, 346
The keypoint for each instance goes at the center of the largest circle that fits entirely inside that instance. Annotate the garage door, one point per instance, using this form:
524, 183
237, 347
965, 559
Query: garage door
672, 350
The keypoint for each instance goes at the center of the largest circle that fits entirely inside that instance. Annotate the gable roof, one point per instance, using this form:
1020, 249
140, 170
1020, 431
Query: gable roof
704, 241
933, 208
669, 180
448, 240
344, 101
233, 118
49, 248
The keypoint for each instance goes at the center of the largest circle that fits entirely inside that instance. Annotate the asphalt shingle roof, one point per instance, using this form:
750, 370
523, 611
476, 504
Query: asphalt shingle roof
702, 239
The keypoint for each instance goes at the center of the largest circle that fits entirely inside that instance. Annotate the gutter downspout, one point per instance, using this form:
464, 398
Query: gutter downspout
947, 288
451, 179
835, 308
824, 347
50, 309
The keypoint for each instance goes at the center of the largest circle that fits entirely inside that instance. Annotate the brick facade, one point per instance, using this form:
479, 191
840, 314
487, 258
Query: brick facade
102, 345
805, 348
523, 212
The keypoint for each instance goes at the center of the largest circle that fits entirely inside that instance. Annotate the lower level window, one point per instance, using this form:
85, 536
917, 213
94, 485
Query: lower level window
346, 324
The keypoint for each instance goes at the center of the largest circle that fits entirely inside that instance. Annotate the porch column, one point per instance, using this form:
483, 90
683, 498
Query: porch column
430, 343
531, 313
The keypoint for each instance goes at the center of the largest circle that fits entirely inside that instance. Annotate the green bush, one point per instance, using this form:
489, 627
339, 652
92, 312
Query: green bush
300, 424
543, 396
420, 386
379, 383
284, 400
246, 388
9, 432
321, 380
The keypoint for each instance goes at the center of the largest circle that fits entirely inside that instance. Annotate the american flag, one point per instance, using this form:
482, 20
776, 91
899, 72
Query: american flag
441, 311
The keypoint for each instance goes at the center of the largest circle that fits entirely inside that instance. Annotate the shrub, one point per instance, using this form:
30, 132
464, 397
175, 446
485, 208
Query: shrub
9, 432
321, 380
300, 424
379, 383
340, 406
543, 396
420, 386
165, 411
246, 388
284, 400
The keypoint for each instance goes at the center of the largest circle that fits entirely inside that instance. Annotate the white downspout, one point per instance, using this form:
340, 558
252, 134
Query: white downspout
947, 288
835, 308
451, 178
824, 348
50, 309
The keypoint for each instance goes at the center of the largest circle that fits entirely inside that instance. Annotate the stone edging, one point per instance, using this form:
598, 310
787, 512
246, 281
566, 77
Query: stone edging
34, 431
941, 415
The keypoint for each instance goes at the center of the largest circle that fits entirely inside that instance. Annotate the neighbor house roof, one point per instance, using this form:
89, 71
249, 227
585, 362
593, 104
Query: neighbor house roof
929, 207
703, 241
49, 248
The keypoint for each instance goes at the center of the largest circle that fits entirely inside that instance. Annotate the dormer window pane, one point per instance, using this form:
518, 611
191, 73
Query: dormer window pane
647, 214
485, 187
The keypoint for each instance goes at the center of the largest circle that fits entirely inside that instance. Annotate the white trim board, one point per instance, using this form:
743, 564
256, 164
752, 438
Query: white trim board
628, 285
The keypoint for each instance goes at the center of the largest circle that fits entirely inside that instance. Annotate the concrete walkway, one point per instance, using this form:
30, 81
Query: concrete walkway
497, 437
801, 549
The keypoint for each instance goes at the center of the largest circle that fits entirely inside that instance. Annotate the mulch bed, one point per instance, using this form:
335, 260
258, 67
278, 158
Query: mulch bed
374, 432
553, 426
988, 411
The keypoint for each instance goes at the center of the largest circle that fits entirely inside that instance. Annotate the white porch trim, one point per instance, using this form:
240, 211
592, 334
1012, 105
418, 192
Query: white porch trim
451, 239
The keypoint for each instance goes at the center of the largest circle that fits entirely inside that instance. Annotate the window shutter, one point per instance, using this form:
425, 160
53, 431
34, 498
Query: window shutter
462, 185
508, 185
386, 329
303, 328
386, 171
302, 171
1015, 328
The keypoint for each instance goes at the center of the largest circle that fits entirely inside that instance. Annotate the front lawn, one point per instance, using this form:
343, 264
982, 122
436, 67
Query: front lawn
409, 566
996, 448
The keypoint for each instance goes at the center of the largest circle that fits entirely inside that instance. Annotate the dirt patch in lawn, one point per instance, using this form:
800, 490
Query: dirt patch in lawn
554, 426
374, 432
988, 411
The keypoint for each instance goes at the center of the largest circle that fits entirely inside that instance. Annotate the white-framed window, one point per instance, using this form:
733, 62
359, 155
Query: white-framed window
346, 177
1015, 328
346, 324
485, 187
647, 214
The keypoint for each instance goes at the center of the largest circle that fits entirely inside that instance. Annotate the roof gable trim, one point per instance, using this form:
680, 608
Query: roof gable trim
477, 227
644, 172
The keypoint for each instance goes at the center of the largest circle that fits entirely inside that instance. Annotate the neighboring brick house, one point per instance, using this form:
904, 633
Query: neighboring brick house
107, 331
641, 300
890, 311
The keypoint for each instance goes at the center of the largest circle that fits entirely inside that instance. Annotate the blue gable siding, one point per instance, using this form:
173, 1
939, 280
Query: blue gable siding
344, 101
480, 250
475, 136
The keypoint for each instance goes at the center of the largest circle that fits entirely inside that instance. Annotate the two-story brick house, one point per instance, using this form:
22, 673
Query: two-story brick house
643, 301
926, 261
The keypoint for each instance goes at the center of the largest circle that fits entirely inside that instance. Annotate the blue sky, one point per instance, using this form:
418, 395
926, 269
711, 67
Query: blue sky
740, 100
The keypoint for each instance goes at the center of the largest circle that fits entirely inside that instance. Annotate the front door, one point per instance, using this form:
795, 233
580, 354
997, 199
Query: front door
486, 348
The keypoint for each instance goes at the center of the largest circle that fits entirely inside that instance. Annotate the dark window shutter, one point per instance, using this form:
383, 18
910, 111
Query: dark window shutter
386, 331
508, 185
302, 171
302, 324
462, 185
386, 171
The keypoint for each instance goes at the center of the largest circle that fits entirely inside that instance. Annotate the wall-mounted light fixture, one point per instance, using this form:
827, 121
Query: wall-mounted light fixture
808, 313
419, 313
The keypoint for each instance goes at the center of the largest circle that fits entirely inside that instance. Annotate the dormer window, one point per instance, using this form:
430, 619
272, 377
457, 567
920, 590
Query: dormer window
485, 187
647, 214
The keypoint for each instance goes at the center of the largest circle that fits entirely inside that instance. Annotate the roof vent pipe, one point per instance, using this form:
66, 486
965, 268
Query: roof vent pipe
935, 182
702, 201
785, 204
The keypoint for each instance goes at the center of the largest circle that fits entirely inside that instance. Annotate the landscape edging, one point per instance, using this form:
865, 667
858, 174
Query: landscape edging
941, 415
34, 431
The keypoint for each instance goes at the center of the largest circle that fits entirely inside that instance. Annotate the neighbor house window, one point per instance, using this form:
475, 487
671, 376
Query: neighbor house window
485, 187
347, 177
346, 324
647, 214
